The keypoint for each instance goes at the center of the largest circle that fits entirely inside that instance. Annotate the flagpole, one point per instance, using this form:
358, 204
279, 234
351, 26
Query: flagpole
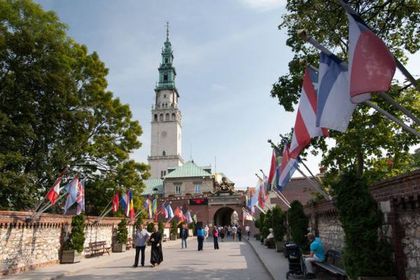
106, 207
281, 195
46, 207
401, 67
316, 44
316, 186
403, 109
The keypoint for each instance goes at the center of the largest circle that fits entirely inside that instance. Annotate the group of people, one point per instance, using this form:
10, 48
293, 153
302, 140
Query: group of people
142, 236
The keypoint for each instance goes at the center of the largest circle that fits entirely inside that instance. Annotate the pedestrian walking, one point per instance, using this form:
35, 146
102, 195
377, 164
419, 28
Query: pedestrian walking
200, 237
156, 257
215, 234
140, 242
206, 232
234, 232
247, 231
184, 236
239, 233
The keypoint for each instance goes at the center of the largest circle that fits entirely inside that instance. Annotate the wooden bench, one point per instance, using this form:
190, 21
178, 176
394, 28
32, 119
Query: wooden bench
331, 264
97, 248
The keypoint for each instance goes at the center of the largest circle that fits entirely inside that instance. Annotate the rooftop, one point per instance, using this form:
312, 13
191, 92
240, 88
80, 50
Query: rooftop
189, 169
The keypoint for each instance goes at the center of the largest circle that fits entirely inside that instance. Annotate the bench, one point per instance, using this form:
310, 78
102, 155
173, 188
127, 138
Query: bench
97, 248
331, 264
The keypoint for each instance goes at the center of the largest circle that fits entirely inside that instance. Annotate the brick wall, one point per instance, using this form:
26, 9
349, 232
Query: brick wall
399, 199
26, 245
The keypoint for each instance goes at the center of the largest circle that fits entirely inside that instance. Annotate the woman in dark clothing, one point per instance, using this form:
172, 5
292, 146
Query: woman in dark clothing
156, 256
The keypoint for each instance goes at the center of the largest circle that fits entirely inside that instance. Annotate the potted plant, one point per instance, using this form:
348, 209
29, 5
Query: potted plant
278, 228
121, 237
73, 246
174, 228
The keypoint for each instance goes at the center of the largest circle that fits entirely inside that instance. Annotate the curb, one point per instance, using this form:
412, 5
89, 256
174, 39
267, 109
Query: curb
264, 265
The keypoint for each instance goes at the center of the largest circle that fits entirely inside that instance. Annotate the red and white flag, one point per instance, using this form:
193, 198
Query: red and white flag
115, 202
305, 125
80, 199
371, 64
54, 191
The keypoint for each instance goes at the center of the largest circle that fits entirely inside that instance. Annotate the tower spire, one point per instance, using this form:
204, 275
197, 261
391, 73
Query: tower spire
167, 31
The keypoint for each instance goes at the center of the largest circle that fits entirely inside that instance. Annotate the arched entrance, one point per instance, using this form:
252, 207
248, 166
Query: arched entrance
222, 216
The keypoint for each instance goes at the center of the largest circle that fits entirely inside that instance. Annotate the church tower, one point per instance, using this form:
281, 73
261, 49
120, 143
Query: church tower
166, 142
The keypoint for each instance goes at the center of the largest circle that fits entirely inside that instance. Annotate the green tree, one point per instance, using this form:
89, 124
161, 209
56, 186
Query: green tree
55, 111
298, 223
371, 140
278, 218
122, 232
77, 235
365, 252
268, 223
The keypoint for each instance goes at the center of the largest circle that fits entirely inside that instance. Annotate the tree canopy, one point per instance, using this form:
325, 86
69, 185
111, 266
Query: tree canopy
56, 112
372, 144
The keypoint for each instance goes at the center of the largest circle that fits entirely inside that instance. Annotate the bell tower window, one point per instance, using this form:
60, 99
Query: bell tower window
165, 77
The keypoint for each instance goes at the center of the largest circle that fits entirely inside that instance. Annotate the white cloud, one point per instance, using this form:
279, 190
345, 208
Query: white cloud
264, 5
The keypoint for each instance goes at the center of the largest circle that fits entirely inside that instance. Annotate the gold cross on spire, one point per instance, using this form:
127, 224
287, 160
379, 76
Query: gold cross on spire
167, 31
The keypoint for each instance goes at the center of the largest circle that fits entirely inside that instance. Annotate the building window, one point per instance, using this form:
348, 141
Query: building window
161, 117
173, 116
167, 117
197, 188
162, 173
178, 189
155, 117
164, 153
166, 60
164, 96
165, 77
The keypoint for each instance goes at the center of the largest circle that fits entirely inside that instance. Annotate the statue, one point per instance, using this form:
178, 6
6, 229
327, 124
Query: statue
234, 219
224, 186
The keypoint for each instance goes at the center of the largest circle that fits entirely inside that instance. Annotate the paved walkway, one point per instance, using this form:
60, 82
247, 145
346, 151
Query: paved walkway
234, 260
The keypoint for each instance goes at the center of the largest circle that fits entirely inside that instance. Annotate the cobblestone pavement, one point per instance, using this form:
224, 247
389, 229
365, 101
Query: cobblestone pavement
234, 260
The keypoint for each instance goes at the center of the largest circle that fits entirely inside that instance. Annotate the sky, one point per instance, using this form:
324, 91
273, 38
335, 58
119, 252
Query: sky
227, 55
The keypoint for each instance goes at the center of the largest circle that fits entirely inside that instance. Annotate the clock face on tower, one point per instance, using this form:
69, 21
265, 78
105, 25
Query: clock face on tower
163, 134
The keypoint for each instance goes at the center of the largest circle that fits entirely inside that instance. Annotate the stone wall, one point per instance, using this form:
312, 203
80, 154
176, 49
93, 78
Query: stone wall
27, 245
399, 200
410, 221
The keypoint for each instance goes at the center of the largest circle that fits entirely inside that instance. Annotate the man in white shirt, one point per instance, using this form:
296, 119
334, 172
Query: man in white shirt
140, 240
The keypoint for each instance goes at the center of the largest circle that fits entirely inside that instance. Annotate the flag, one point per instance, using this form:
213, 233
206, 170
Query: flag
188, 217
261, 195
54, 191
179, 214
80, 199
305, 125
125, 203
273, 167
72, 191
164, 211
253, 199
371, 64
334, 107
154, 206
149, 210
115, 202
169, 210
287, 168
246, 216
131, 209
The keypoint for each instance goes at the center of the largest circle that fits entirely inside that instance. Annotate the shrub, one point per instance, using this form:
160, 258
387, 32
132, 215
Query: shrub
122, 232
298, 223
150, 227
268, 223
139, 220
366, 253
77, 235
278, 224
174, 227
161, 227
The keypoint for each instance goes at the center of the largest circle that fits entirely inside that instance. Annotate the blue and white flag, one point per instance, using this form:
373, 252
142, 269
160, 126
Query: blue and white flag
334, 108
72, 193
169, 210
